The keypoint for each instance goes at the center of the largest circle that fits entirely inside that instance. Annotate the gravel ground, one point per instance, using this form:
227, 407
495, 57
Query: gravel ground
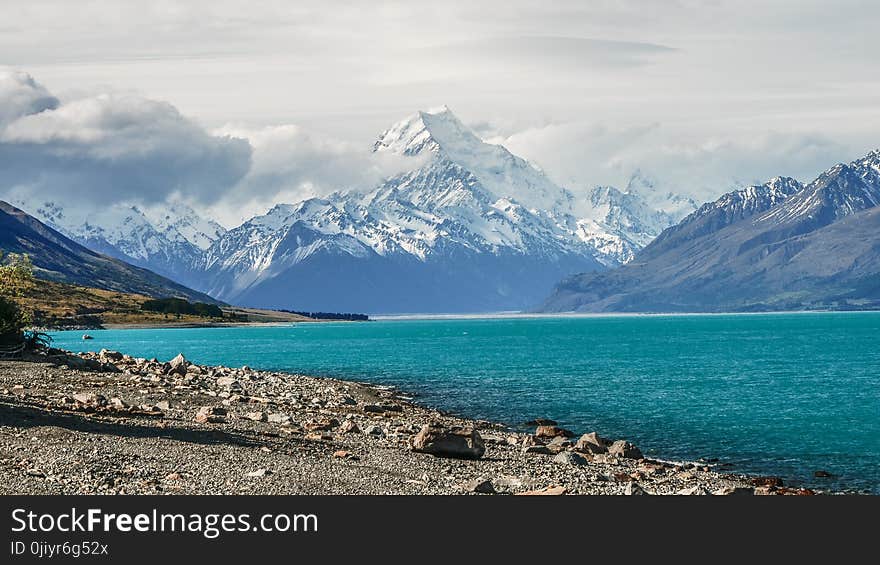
110, 424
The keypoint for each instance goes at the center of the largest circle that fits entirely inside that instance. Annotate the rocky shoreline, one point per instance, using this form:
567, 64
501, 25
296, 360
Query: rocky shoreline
108, 423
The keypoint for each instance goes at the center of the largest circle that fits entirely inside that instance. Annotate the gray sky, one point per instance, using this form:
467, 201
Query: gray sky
699, 95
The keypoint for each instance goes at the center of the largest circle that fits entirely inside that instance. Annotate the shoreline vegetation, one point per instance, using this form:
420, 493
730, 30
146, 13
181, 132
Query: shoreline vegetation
59, 306
108, 423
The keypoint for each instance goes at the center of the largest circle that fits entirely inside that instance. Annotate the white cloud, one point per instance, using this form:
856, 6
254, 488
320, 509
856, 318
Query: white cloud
291, 163
700, 164
109, 147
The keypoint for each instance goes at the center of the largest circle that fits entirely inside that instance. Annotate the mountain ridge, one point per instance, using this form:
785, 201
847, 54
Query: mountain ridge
753, 249
60, 259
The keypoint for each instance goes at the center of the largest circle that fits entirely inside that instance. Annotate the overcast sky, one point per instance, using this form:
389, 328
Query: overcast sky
699, 95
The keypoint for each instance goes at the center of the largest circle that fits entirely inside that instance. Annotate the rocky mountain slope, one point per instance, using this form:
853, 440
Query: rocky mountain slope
57, 258
778, 246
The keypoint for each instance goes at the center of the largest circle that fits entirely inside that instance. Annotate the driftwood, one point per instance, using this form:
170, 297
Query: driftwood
12, 351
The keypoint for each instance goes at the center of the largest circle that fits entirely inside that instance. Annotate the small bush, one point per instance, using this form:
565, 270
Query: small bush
12, 323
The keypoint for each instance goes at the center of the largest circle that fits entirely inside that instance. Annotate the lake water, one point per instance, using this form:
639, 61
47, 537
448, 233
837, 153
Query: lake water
781, 394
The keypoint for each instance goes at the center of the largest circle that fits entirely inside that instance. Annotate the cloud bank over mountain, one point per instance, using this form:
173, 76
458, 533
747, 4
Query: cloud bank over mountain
583, 154
113, 146
110, 147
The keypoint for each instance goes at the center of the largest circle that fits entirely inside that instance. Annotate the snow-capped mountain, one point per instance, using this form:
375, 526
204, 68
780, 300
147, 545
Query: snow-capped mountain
171, 241
468, 227
729, 208
177, 219
618, 224
777, 246
471, 227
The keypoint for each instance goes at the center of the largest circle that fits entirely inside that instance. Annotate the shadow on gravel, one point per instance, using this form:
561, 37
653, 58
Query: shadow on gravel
33, 417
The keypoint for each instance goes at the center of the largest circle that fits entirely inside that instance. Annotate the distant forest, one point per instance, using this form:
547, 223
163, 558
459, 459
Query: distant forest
331, 316
179, 307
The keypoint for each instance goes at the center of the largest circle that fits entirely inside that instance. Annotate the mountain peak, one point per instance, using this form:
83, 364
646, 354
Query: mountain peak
431, 130
869, 161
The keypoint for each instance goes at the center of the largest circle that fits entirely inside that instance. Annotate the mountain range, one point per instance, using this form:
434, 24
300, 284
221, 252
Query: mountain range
57, 258
469, 227
777, 246
169, 240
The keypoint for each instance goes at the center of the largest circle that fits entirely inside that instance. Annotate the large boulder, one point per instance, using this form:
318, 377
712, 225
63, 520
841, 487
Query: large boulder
552, 431
460, 443
178, 365
591, 443
623, 448
108, 356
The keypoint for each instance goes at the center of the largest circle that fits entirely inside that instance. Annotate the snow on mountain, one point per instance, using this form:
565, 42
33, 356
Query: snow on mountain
125, 232
469, 227
500, 172
179, 219
728, 209
781, 245
840, 191
619, 223
465, 202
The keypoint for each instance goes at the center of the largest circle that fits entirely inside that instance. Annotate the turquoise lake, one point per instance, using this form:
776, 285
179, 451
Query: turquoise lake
780, 394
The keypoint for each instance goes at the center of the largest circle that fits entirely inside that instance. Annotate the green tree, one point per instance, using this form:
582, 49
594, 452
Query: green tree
16, 273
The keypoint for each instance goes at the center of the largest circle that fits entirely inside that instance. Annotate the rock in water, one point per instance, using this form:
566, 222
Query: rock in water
541, 422
591, 443
623, 448
772, 482
552, 431
462, 443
